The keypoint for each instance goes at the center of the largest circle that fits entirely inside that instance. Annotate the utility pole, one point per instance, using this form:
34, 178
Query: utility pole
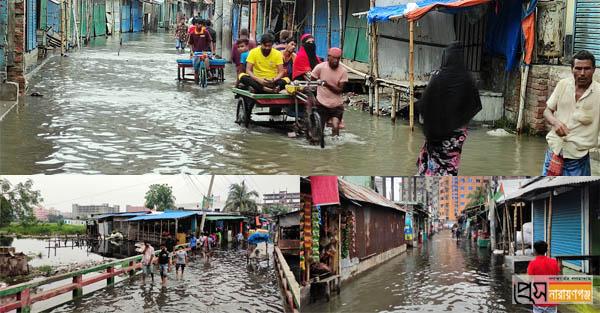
201, 229
492, 213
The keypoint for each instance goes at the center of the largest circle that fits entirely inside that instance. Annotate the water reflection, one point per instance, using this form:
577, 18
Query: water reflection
110, 113
440, 276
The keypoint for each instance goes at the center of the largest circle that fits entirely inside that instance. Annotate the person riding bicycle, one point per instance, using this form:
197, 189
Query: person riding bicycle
329, 96
200, 41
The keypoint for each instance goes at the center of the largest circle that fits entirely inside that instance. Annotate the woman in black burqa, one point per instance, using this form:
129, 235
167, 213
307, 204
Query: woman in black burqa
449, 102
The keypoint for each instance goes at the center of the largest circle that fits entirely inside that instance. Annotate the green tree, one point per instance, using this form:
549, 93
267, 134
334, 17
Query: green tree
54, 218
17, 202
240, 199
160, 196
478, 196
275, 209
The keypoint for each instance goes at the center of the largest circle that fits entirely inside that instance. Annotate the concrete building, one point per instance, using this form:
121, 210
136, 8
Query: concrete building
75, 222
88, 210
454, 194
41, 214
290, 199
133, 208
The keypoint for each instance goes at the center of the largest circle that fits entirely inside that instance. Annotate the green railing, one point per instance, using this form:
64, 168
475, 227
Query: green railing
25, 298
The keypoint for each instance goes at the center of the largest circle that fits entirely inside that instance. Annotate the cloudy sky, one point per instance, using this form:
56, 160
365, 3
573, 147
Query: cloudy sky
61, 191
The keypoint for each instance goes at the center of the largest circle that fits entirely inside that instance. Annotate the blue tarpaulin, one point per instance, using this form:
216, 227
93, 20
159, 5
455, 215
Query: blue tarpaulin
258, 238
382, 14
504, 33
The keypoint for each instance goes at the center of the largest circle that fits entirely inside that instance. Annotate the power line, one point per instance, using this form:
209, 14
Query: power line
105, 192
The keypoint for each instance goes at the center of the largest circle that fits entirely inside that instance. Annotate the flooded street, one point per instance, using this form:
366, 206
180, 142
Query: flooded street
440, 276
102, 112
223, 285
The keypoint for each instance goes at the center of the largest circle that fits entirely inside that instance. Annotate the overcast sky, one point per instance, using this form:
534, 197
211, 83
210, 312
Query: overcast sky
61, 191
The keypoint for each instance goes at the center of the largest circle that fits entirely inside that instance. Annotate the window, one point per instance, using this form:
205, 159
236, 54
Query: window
462, 196
462, 203
470, 188
462, 180
470, 180
462, 188
479, 180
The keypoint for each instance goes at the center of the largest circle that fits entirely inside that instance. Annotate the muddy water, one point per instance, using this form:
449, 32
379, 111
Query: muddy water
223, 285
62, 255
440, 276
110, 113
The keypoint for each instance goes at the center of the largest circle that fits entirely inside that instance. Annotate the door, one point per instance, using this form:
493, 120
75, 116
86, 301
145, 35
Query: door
126, 16
53, 16
587, 27
567, 225
136, 15
99, 19
31, 34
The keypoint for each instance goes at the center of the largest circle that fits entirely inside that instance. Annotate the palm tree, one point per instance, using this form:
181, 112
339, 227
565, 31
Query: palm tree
240, 199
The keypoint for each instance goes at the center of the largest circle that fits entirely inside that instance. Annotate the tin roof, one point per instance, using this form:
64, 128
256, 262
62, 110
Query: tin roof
363, 194
551, 182
120, 214
167, 215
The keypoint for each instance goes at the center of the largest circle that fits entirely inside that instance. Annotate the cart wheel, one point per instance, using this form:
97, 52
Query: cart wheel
316, 128
243, 116
221, 75
203, 77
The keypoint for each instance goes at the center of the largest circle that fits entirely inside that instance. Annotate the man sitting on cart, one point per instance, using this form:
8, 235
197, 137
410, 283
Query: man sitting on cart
329, 96
264, 68
200, 41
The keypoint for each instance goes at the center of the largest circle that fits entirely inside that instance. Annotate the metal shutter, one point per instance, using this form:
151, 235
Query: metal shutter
125, 17
539, 225
136, 15
566, 224
587, 27
31, 25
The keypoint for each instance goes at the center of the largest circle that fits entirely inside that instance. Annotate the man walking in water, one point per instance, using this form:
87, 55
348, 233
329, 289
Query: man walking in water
164, 263
147, 262
573, 111
329, 96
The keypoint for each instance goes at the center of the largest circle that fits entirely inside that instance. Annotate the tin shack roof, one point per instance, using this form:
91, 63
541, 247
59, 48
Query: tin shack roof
551, 182
167, 215
363, 194
128, 214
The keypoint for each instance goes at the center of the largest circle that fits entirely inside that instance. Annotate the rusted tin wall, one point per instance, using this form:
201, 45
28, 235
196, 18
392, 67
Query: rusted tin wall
378, 229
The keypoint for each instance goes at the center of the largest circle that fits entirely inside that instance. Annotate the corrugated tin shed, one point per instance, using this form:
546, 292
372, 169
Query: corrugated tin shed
552, 182
167, 215
363, 194
129, 214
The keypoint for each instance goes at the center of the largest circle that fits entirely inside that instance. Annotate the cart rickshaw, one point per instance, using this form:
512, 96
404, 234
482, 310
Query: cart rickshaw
258, 249
290, 105
200, 76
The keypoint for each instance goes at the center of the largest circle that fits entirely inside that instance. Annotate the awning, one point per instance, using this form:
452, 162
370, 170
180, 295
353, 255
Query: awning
221, 218
166, 215
129, 214
363, 194
415, 10
551, 182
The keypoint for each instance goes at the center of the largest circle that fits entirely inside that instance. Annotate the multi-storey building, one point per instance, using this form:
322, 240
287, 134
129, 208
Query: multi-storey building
290, 199
454, 194
88, 210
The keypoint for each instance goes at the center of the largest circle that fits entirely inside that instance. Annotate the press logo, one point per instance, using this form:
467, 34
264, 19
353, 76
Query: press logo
552, 289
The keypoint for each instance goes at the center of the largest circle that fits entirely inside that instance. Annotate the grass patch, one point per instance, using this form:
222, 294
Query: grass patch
46, 269
43, 229
511, 126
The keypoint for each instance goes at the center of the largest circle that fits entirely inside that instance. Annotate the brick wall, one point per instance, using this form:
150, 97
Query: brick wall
541, 82
15, 73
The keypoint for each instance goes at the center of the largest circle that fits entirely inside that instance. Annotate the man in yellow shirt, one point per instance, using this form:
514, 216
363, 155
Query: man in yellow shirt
264, 68
573, 110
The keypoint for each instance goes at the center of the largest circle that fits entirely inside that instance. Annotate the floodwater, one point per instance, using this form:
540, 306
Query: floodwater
224, 284
440, 276
62, 255
110, 112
